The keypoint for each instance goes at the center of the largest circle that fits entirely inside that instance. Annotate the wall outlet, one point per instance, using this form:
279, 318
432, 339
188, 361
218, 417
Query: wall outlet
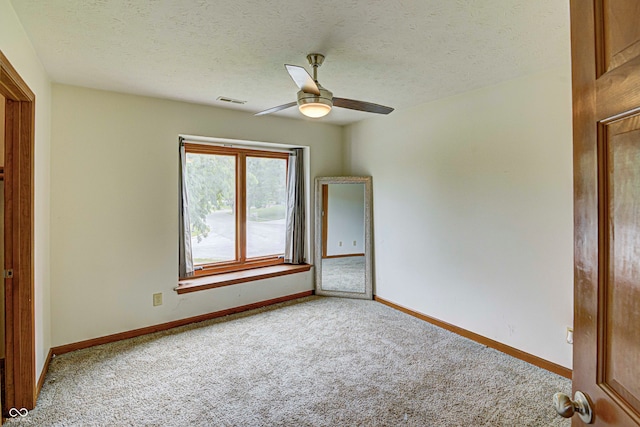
354, 243
569, 335
157, 299
339, 243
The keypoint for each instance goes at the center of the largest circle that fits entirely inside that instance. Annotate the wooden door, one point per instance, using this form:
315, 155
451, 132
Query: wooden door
605, 44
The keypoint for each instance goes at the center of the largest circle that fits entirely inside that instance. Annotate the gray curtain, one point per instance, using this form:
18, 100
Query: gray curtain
185, 259
295, 225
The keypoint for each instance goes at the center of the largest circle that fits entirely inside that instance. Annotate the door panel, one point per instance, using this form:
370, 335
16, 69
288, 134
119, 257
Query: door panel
620, 367
621, 32
605, 45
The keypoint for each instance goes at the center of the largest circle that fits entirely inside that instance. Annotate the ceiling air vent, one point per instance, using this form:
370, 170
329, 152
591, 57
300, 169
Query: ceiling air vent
231, 100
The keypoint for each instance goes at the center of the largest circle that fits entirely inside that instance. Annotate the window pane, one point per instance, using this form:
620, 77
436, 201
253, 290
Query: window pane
266, 198
211, 192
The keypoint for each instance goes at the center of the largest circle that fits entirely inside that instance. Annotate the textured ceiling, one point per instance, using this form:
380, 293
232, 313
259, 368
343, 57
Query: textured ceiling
392, 52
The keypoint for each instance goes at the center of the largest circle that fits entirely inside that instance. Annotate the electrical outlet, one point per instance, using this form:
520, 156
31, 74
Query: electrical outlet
569, 335
339, 243
354, 243
157, 299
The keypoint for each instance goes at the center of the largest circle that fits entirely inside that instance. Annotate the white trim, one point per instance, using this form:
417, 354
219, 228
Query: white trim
240, 143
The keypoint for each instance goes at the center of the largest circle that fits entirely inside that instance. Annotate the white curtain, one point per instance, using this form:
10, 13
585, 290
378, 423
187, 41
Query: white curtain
295, 222
185, 258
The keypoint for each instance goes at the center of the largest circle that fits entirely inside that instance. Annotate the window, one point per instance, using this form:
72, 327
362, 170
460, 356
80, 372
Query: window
237, 207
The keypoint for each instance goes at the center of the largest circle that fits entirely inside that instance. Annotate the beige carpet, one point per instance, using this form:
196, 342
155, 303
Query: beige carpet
344, 274
315, 362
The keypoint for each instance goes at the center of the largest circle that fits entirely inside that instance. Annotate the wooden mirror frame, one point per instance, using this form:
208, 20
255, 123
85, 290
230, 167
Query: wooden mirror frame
368, 227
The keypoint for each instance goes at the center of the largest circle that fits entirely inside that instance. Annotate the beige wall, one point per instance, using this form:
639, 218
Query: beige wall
16, 46
473, 210
115, 207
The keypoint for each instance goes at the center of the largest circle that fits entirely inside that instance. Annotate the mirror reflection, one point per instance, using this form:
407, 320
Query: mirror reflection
343, 238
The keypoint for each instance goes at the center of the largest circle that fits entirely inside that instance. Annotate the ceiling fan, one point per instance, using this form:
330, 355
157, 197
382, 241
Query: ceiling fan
314, 100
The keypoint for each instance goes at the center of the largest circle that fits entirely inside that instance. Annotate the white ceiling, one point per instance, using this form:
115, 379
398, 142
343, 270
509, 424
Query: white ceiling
399, 53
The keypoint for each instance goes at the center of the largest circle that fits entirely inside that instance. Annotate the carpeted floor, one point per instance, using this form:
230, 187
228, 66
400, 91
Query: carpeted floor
343, 274
314, 362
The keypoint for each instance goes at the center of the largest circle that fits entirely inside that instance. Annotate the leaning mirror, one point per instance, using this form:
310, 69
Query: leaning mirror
343, 237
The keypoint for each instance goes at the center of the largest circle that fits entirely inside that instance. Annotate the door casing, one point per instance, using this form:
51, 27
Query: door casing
20, 367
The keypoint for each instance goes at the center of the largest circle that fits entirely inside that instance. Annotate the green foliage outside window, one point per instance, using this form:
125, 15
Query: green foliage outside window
211, 187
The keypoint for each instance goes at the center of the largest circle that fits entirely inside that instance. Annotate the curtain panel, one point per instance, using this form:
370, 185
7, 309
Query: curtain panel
295, 219
185, 257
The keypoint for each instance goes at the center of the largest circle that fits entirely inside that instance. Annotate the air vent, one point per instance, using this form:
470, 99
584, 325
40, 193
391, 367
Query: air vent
231, 100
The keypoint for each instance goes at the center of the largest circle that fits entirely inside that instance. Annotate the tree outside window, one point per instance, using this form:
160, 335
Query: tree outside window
237, 204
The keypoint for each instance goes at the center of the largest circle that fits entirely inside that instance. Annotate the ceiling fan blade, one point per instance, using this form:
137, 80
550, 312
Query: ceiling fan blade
302, 78
275, 109
369, 107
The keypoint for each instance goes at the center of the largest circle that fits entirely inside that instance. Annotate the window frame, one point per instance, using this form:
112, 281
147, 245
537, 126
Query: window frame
241, 262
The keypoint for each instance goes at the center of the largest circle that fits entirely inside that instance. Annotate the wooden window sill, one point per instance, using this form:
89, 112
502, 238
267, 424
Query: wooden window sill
201, 283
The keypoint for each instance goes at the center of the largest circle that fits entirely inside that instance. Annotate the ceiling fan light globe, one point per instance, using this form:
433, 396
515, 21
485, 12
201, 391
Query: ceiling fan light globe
314, 110
315, 106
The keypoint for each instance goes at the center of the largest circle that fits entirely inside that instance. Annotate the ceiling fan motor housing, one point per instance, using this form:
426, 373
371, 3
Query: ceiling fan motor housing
325, 97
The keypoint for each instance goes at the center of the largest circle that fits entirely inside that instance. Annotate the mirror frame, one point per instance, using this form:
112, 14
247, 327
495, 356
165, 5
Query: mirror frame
368, 256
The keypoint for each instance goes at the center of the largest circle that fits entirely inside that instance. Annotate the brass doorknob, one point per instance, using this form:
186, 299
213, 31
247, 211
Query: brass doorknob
565, 407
